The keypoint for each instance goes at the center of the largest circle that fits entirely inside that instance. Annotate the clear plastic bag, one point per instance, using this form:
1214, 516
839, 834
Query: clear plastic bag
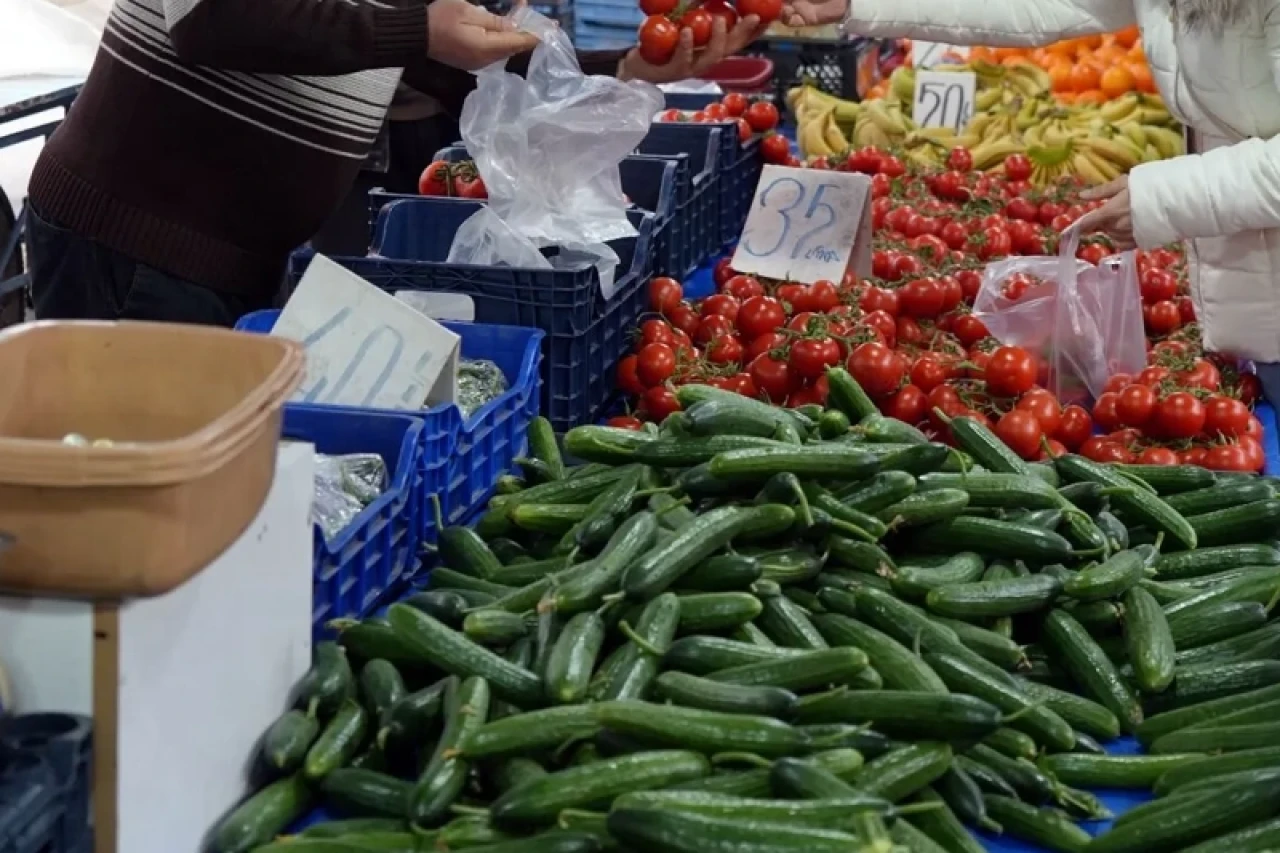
1084, 322
548, 147
345, 485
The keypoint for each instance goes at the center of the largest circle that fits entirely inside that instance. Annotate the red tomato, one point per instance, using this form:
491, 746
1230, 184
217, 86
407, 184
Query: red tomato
725, 350
1203, 375
1091, 253
724, 10
735, 103
772, 376
921, 298
722, 304
711, 327
743, 384
657, 362
743, 287
723, 272
625, 422
796, 296
810, 357
1224, 416
1017, 167
929, 372
1186, 309
715, 111
655, 331
970, 283
1158, 456
659, 402
1104, 411
1022, 432
1135, 404
774, 148
765, 343
762, 115
1226, 457
665, 294
1158, 286
1112, 452
1255, 457
1117, 382
1052, 450
946, 399
1152, 376
658, 40
969, 330
801, 322
823, 296
744, 130
699, 21
766, 10
960, 159
1092, 447
1249, 388
1021, 208
671, 116
1010, 372
437, 179
1192, 456
878, 369
910, 405
685, 318
880, 299
658, 7
1179, 416
1161, 318
760, 315
909, 332
884, 325
470, 185
1045, 407
628, 378
992, 243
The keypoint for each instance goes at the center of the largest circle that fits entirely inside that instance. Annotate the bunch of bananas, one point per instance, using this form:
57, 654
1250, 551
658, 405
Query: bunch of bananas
1014, 113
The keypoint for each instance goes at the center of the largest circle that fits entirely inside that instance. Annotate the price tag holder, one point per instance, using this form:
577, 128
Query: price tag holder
926, 54
365, 347
807, 224
944, 98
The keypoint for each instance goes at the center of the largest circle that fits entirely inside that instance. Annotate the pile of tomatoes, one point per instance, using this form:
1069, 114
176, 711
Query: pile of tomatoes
751, 117
452, 180
659, 34
909, 337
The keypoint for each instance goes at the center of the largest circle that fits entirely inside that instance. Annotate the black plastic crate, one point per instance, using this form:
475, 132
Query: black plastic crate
45, 772
845, 68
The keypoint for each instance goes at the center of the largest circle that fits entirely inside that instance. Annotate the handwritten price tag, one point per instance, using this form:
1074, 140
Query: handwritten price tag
365, 347
926, 54
806, 225
944, 98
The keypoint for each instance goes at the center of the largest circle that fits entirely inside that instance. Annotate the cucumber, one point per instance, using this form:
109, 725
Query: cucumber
1137, 504
1258, 838
328, 683
1049, 828
685, 452
543, 446
669, 831
587, 589
1238, 524
1030, 782
351, 826
445, 578
1114, 771
1210, 767
706, 731
989, 645
602, 516
808, 781
1218, 620
985, 448
263, 816
701, 655
832, 813
724, 573
604, 445
285, 744
1218, 739
538, 801
338, 743
580, 486
861, 556
996, 539
469, 832
905, 714
549, 519
1207, 561
988, 599
555, 841
637, 666
727, 417
1026, 715
409, 720
352, 791
1201, 682
1180, 718
874, 494
900, 668
1003, 491
1014, 743
903, 772
789, 566
1195, 819
943, 826
531, 732
1170, 479
494, 627
915, 582
829, 461
922, 508
847, 396
755, 783
788, 625
1106, 580
717, 611
442, 780
573, 658
692, 691
1090, 667
1221, 496
1149, 641
798, 671
462, 549
445, 648
444, 604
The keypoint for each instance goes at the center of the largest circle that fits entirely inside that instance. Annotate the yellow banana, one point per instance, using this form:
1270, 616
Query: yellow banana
812, 141
1168, 142
990, 154
1136, 134
833, 136
902, 82
1113, 151
978, 125
987, 99
879, 114
1086, 169
1119, 108
866, 132
1110, 171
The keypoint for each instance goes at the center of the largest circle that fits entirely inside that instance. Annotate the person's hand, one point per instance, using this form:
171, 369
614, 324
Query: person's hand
812, 13
688, 62
468, 37
1114, 218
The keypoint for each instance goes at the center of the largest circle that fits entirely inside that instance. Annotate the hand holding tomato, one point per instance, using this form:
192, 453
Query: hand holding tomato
668, 52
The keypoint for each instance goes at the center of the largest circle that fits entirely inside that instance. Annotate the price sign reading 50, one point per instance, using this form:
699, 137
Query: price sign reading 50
944, 99
803, 224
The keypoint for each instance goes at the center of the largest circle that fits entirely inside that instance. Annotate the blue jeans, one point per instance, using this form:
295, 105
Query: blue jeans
1269, 374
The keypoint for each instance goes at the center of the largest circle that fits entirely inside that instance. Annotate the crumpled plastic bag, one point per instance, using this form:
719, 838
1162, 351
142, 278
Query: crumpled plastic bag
1083, 322
345, 485
480, 381
548, 147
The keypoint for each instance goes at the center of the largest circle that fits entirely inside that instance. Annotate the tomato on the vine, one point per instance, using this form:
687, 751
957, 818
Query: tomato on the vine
1203, 375
909, 405
725, 349
735, 103
711, 327
1021, 431
1135, 405
1178, 416
767, 342
743, 287
922, 298
625, 422
1010, 372
1162, 317
762, 115
1226, 417
659, 402
878, 369
1226, 457
665, 294
658, 7
628, 377
1158, 456
1017, 167
823, 296
721, 304
437, 179
656, 364
1044, 406
810, 357
760, 315
929, 372
960, 159
699, 22
658, 38
1104, 411
774, 148
772, 376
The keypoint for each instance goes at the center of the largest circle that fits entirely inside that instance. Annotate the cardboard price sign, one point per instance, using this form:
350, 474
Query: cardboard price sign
926, 54
365, 347
806, 225
944, 98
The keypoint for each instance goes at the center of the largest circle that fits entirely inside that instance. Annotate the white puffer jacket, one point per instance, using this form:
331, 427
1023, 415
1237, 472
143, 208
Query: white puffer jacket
1217, 63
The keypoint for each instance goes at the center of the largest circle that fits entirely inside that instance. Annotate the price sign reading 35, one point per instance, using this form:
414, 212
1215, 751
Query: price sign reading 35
804, 224
944, 99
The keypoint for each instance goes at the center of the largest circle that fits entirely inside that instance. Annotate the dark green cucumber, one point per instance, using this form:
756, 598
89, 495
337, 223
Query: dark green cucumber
1014, 743
1136, 504
1207, 561
585, 591
1171, 721
580, 486
444, 604
351, 826
963, 796
1194, 819
789, 566
447, 649
1218, 738
1171, 479
905, 714
989, 645
603, 444
831, 461
987, 779
1090, 667
724, 573
285, 744
1258, 838
875, 493
987, 599
1032, 784
1150, 641
990, 489
462, 549
902, 772
1238, 524
531, 732
444, 776
788, 625
1050, 828
847, 396
1026, 715
826, 812
900, 668
693, 691
717, 611
995, 538
1106, 580
1203, 682
539, 801
702, 655
669, 831
263, 816
809, 781
554, 841
543, 445
799, 671
1218, 620
494, 627
637, 666
328, 683
943, 826
923, 508
603, 514
351, 791
755, 783
1221, 496
727, 417
1213, 766
684, 452
1083, 714
916, 459
573, 658
410, 719
985, 448
338, 743
445, 578
1113, 771
707, 731
469, 832
916, 581
549, 519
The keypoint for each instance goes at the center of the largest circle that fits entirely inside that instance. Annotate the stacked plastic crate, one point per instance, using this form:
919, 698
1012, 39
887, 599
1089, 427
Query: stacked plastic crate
606, 24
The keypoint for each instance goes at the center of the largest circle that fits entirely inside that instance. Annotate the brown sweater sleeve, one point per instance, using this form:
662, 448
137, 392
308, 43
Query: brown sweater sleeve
322, 37
450, 87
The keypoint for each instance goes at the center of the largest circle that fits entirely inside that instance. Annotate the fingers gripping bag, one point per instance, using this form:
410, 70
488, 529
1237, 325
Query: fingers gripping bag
1083, 322
547, 146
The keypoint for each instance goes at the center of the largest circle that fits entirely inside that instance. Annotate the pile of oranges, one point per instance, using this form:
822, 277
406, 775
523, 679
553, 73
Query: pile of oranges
1085, 70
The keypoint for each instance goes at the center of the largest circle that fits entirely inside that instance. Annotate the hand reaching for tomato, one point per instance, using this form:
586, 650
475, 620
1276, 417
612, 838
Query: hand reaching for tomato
812, 13
669, 51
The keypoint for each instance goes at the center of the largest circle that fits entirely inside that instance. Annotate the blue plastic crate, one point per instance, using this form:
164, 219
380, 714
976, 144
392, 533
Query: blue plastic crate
602, 35
613, 13
674, 250
698, 201
379, 548
45, 771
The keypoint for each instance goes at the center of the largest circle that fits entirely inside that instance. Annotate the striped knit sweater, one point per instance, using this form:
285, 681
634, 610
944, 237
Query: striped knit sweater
214, 136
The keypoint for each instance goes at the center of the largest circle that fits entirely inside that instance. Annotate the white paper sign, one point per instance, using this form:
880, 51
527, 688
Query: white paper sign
926, 54
806, 225
365, 347
944, 99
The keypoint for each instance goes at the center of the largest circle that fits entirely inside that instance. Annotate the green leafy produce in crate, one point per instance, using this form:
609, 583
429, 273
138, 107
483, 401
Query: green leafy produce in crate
749, 631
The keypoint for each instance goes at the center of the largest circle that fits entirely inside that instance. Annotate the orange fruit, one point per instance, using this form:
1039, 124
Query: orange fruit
982, 54
1015, 60
1136, 52
1092, 41
1142, 79
1109, 54
1127, 37
1085, 76
1060, 76
1091, 96
1117, 80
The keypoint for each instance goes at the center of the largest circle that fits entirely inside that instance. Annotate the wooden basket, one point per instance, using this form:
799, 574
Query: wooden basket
193, 415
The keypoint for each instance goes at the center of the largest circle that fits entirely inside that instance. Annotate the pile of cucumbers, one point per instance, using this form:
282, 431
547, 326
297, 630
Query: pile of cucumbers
763, 630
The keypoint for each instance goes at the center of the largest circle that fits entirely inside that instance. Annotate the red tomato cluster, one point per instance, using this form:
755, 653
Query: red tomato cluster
452, 180
659, 34
907, 333
751, 117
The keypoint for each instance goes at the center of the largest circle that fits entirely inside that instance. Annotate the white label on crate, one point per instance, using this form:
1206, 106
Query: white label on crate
944, 98
926, 54
805, 225
457, 307
365, 347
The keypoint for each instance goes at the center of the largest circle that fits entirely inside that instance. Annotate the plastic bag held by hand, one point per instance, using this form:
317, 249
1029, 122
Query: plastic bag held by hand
1083, 322
548, 146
